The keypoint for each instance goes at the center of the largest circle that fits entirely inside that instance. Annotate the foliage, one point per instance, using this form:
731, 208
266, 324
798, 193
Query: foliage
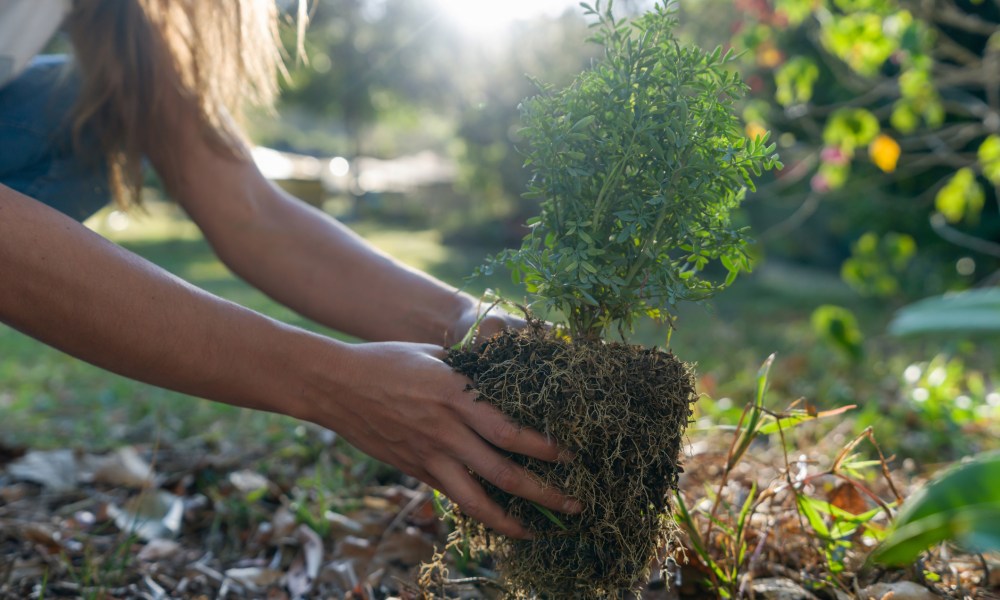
878, 263
961, 505
951, 399
837, 326
721, 531
637, 165
974, 313
887, 116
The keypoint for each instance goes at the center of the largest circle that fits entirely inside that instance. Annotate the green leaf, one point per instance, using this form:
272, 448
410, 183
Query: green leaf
837, 326
583, 123
851, 128
795, 80
808, 509
962, 197
751, 428
989, 158
975, 313
962, 505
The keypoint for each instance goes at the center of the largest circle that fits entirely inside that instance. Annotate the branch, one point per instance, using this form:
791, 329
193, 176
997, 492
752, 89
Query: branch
807, 209
951, 15
959, 238
795, 174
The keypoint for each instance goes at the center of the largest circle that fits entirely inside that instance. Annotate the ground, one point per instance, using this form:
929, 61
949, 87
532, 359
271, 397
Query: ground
111, 489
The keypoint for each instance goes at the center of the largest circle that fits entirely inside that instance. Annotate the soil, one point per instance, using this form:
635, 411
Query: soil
622, 411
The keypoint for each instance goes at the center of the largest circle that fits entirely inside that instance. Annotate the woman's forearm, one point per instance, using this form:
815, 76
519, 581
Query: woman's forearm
71, 289
317, 266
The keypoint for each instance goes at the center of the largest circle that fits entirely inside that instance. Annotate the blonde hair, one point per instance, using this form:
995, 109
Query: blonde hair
220, 55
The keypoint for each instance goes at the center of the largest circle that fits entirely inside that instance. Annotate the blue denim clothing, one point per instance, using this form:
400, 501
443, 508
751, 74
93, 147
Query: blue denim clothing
37, 157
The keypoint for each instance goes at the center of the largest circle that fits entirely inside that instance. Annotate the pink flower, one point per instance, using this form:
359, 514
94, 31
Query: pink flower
834, 155
819, 183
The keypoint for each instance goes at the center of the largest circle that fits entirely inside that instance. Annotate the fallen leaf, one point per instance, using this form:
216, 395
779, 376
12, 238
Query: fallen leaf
121, 468
282, 523
409, 547
345, 573
248, 481
312, 547
342, 525
847, 497
254, 577
304, 569
53, 469
12, 493
900, 590
44, 536
159, 549
780, 588
150, 515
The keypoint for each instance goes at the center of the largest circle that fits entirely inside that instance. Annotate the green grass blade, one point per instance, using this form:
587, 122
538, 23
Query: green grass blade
550, 516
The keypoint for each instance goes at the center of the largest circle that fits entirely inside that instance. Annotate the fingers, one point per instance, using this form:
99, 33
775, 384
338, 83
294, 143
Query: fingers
466, 492
514, 479
496, 322
500, 431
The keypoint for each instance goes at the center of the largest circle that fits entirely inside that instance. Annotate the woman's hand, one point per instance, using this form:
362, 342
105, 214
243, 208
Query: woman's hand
401, 404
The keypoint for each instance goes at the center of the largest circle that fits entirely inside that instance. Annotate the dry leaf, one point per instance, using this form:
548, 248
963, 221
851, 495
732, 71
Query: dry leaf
282, 523
341, 525
123, 467
304, 570
409, 547
159, 549
847, 497
56, 470
248, 481
150, 515
899, 590
254, 577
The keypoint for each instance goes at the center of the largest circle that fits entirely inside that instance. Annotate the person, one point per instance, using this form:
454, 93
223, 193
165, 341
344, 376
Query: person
164, 81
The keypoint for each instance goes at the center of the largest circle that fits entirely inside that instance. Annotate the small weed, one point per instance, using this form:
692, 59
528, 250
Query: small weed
744, 519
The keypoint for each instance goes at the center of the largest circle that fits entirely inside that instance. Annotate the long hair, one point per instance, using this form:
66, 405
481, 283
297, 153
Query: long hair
220, 55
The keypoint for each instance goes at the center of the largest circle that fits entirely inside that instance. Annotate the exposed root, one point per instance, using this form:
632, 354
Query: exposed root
622, 410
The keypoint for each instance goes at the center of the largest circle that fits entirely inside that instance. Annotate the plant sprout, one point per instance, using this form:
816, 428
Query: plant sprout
637, 165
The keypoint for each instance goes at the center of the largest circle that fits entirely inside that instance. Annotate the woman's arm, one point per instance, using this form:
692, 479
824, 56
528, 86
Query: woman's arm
70, 288
300, 256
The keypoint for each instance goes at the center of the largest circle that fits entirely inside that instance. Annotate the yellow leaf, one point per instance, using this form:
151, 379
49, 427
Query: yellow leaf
755, 130
884, 152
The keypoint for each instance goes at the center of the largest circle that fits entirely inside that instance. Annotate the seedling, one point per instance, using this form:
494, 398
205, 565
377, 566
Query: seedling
637, 166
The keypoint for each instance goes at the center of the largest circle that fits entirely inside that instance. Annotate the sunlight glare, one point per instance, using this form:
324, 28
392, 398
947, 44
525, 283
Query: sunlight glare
487, 17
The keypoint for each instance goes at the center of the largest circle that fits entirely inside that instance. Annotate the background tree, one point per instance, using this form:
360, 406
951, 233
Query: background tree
888, 112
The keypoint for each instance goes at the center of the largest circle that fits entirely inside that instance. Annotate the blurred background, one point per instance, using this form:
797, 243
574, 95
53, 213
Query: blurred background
875, 285
401, 119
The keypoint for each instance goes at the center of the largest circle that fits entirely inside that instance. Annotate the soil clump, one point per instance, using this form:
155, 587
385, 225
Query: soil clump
622, 411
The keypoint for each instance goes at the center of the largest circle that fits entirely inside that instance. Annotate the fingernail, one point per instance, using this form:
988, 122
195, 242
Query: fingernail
572, 507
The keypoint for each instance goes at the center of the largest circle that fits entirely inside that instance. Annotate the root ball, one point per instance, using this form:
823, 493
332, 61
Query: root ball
622, 410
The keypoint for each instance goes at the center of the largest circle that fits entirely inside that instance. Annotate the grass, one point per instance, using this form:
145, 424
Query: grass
49, 398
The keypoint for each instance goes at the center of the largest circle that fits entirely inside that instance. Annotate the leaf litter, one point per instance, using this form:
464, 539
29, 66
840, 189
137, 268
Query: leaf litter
311, 519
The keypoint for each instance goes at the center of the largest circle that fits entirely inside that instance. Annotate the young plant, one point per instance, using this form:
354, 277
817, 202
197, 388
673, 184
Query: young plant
637, 165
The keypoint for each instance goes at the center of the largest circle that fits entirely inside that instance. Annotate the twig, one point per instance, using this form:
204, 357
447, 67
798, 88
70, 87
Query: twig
805, 210
959, 238
951, 15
